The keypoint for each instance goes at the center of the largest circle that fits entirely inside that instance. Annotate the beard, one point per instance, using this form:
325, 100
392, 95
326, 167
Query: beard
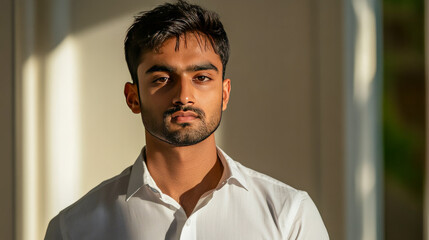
184, 134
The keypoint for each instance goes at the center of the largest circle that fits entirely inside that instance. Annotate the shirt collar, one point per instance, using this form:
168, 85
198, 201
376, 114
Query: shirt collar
140, 175
136, 176
230, 170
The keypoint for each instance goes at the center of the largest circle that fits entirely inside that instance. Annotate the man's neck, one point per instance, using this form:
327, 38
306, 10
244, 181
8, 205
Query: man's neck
184, 173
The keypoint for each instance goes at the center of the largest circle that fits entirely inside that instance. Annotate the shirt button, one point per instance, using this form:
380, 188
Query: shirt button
188, 223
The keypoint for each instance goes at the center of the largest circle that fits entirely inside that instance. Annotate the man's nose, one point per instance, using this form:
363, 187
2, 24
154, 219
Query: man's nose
184, 92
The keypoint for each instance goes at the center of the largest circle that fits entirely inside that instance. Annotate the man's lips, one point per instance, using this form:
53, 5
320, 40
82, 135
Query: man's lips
184, 116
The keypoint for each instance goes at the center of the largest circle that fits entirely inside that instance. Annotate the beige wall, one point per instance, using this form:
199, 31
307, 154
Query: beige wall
285, 116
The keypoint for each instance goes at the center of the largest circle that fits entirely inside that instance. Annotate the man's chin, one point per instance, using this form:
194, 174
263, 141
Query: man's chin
179, 126
184, 139
183, 134
180, 138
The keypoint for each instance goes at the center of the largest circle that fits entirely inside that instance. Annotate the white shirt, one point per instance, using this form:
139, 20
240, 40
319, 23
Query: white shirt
245, 205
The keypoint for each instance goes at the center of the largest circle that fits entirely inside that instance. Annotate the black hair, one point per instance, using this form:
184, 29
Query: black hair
152, 28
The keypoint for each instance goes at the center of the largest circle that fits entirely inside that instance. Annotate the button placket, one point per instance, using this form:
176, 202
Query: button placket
189, 229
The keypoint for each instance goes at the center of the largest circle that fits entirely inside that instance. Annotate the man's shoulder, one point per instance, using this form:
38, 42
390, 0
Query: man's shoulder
280, 198
111, 187
270, 187
291, 209
90, 207
107, 191
258, 181
262, 178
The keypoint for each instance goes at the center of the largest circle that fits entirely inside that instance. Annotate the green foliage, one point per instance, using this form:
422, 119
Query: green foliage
404, 93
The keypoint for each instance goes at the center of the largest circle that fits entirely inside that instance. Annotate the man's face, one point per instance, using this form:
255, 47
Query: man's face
182, 92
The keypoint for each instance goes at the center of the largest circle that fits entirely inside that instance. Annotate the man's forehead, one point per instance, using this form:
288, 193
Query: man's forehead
187, 40
200, 57
201, 52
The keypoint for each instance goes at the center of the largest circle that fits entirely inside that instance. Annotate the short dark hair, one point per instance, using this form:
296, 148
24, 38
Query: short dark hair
152, 28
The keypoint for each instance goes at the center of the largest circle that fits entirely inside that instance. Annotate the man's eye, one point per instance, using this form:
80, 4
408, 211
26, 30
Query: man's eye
202, 78
161, 80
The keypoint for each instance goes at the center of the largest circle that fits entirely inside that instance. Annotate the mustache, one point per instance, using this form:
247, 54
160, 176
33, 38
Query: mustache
183, 108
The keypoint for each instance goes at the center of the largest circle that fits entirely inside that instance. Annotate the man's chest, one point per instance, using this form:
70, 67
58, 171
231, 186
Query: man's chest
141, 219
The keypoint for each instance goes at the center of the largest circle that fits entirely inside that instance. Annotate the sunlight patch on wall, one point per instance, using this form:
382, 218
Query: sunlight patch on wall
63, 149
30, 181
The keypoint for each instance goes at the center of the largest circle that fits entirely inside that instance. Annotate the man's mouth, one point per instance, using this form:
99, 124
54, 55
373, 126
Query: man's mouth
184, 116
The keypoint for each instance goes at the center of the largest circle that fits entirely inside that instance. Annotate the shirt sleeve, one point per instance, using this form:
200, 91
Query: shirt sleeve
54, 230
308, 223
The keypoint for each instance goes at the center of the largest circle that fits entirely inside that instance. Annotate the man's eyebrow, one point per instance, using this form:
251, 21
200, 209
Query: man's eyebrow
201, 67
193, 68
160, 68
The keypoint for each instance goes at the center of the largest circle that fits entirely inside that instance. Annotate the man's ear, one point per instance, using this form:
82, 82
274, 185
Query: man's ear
132, 97
226, 85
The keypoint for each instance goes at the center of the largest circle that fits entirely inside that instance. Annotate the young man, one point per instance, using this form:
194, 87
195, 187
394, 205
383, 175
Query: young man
182, 186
